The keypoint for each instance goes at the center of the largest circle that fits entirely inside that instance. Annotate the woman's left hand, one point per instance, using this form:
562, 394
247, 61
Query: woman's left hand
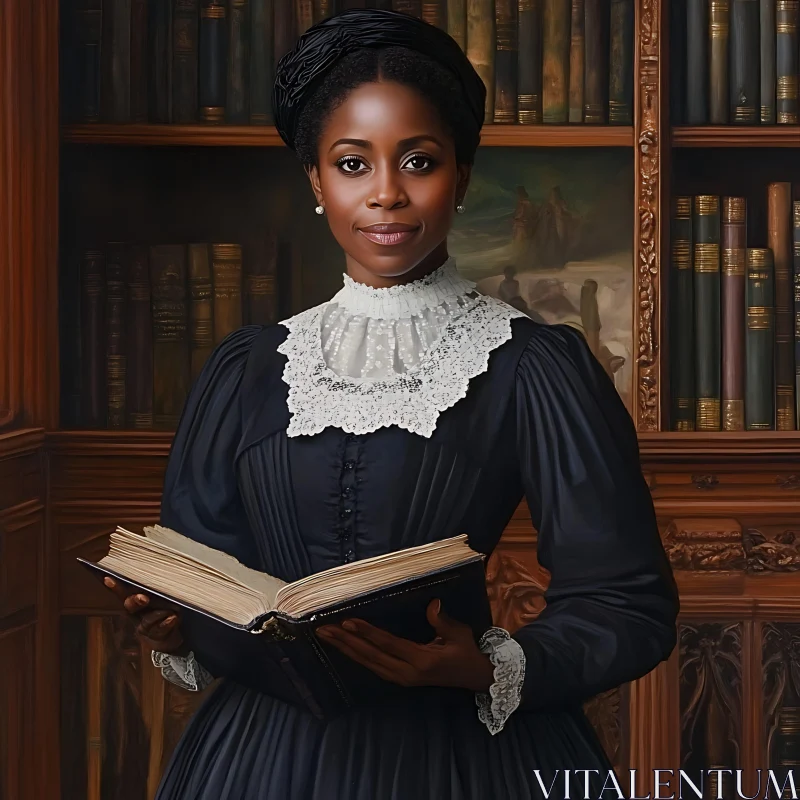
451, 659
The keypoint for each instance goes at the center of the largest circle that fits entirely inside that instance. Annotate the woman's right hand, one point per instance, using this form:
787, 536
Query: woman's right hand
158, 630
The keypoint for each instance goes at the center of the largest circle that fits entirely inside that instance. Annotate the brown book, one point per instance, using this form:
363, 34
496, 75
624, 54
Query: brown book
116, 279
139, 61
457, 21
481, 39
595, 90
115, 52
304, 14
718, 31
261, 290
505, 67
171, 367
139, 390
284, 28
93, 339
779, 213
201, 323
734, 256
555, 61
226, 267
577, 47
434, 12
323, 9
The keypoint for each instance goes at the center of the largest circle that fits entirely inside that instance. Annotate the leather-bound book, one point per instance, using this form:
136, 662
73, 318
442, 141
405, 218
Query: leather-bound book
529, 63
577, 53
708, 349
284, 28
768, 79
213, 60
412, 7
697, 62
677, 62
139, 326
555, 61
226, 267
682, 318
595, 103
261, 62
434, 12
779, 240
115, 90
93, 338
116, 280
796, 275
304, 14
505, 65
457, 22
324, 9
719, 31
171, 367
481, 45
237, 110
86, 37
261, 290
159, 53
185, 25
734, 257
759, 337
140, 61
786, 61
70, 333
620, 68
745, 60
201, 319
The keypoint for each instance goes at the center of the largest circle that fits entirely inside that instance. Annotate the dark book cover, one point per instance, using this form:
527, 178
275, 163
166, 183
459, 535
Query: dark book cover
734, 257
786, 61
796, 282
708, 348
185, 33
159, 89
226, 268
116, 295
140, 61
555, 61
529, 63
201, 307
677, 62
70, 334
237, 110
595, 102
139, 327
577, 55
304, 14
719, 33
323, 9
87, 36
412, 7
213, 60
505, 62
284, 28
697, 62
434, 12
481, 38
620, 69
457, 21
759, 406
682, 346
768, 79
93, 338
115, 91
745, 63
262, 62
261, 290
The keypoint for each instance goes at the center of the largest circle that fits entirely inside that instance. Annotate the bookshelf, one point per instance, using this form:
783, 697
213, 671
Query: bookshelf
735, 136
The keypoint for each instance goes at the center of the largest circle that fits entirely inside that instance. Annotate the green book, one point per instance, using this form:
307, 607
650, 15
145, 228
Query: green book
759, 341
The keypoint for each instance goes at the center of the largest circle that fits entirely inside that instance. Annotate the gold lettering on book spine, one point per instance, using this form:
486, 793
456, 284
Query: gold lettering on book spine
734, 209
733, 415
706, 204
706, 257
708, 414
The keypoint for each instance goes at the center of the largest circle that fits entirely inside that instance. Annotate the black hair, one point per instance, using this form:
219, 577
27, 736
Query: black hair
399, 64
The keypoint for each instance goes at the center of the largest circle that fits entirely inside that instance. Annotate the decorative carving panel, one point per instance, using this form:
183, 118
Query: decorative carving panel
781, 694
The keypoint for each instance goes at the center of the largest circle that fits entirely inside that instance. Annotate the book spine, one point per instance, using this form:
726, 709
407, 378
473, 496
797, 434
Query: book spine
718, 29
304, 14
796, 243
768, 80
507, 49
786, 61
139, 61
759, 341
140, 342
70, 333
116, 53
185, 25
261, 62
577, 52
201, 323
481, 45
159, 90
706, 234
115, 334
236, 108
620, 70
88, 30
745, 60
324, 9
261, 291
677, 62
682, 318
697, 62
529, 100
596, 75
434, 12
284, 28
171, 368
734, 256
226, 266
779, 240
555, 61
457, 22
212, 61
93, 339
412, 7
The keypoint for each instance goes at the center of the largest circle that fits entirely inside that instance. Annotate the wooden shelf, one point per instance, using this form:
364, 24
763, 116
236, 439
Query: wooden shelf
264, 136
734, 136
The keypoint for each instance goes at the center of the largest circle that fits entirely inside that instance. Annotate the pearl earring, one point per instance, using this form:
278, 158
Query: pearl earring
459, 209
320, 210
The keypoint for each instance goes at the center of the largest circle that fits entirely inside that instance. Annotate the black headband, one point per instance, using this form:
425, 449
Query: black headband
322, 45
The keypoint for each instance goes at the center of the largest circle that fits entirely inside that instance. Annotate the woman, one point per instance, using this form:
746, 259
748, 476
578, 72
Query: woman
409, 409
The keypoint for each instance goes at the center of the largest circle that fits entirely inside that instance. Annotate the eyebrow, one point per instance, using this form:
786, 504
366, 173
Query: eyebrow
402, 144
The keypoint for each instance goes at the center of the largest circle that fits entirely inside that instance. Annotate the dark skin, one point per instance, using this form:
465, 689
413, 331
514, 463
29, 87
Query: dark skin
385, 158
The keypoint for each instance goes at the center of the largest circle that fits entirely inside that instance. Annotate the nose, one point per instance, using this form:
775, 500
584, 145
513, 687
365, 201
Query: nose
387, 189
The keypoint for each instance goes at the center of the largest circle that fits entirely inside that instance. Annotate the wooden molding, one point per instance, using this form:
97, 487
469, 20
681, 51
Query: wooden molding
735, 136
21, 442
726, 447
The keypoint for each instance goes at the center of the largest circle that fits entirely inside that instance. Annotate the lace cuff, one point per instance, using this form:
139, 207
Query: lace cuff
504, 695
185, 672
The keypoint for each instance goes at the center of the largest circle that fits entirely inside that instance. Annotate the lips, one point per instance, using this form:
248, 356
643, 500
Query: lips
389, 233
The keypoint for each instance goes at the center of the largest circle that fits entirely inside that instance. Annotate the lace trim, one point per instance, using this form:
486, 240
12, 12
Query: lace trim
413, 400
505, 694
185, 672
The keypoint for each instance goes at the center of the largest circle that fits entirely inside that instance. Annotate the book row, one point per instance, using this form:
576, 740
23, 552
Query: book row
213, 61
735, 315
146, 320
734, 62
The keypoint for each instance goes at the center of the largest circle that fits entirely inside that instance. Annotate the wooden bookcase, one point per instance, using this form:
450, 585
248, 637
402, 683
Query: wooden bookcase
728, 504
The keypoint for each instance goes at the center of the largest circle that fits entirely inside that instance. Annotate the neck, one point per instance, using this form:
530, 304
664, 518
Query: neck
429, 264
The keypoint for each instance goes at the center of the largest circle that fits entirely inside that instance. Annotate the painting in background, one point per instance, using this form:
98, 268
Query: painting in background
551, 232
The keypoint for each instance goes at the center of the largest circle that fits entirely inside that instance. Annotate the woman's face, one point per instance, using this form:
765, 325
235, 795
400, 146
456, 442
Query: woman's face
389, 183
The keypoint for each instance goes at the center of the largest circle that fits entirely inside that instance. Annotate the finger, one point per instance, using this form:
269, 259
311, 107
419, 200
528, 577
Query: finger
151, 619
159, 631
447, 629
365, 649
136, 603
388, 674
404, 649
118, 589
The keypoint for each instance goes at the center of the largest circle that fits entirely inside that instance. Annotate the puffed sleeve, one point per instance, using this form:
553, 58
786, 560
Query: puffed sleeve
612, 601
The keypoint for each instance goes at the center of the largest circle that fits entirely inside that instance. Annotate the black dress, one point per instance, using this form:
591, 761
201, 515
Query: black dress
544, 421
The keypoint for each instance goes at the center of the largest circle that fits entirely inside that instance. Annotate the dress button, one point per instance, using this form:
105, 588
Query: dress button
345, 512
349, 464
349, 556
347, 491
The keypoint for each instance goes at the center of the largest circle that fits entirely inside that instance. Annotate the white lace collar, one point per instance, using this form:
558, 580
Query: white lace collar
372, 358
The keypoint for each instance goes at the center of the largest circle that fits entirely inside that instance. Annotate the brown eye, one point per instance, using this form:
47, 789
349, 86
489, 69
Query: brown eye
418, 163
350, 165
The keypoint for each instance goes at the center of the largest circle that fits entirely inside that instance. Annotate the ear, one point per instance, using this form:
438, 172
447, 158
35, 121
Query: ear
313, 177
462, 181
